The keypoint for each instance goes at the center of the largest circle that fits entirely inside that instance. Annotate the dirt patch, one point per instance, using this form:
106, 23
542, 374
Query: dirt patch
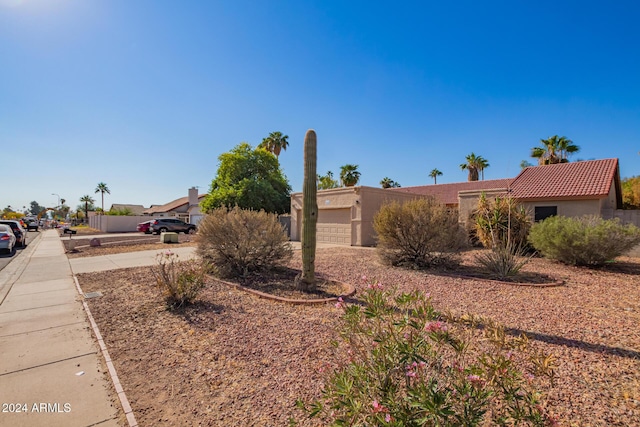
235, 359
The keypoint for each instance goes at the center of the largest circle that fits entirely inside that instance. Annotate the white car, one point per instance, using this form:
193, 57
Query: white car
7, 239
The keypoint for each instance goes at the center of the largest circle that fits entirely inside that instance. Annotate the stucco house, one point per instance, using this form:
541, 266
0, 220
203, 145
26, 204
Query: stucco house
184, 208
345, 215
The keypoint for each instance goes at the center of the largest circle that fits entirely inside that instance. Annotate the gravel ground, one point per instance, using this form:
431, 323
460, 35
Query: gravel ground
237, 360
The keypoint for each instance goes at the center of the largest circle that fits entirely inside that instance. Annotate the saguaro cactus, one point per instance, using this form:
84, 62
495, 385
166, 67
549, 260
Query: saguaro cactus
309, 212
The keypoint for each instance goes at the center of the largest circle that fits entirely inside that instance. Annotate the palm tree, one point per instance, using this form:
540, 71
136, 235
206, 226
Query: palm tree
102, 188
275, 142
555, 149
388, 183
474, 165
349, 175
482, 164
326, 182
87, 200
435, 173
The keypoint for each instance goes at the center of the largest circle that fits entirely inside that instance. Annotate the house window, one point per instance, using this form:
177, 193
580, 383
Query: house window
543, 212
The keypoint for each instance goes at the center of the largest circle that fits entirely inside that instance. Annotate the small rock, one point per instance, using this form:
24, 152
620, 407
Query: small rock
94, 242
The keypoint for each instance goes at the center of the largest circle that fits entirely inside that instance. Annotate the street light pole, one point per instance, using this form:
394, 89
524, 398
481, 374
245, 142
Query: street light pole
54, 194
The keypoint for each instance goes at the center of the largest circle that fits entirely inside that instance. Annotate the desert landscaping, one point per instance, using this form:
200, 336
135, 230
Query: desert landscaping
235, 359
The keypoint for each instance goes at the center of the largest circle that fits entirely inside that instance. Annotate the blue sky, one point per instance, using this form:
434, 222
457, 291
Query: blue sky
145, 95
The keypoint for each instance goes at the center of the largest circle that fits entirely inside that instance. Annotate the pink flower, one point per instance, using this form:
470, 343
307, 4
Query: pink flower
378, 408
364, 278
437, 326
340, 303
387, 418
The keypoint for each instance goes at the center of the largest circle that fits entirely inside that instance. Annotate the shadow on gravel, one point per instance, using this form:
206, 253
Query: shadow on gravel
582, 345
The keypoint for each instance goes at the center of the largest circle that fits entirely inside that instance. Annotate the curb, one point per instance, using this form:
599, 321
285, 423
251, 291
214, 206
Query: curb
124, 402
351, 290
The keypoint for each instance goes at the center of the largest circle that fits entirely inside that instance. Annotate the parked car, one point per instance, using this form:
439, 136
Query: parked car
7, 239
18, 231
162, 225
144, 227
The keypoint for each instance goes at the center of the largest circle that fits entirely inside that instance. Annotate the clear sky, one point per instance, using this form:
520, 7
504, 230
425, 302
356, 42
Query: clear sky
145, 95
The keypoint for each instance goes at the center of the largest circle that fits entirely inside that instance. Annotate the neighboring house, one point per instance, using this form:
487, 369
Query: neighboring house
345, 215
134, 209
184, 208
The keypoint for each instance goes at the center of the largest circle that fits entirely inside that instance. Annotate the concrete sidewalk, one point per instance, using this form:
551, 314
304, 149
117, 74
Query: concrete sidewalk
51, 372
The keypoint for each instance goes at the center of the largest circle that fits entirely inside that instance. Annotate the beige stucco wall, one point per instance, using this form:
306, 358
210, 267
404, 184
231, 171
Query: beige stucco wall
362, 202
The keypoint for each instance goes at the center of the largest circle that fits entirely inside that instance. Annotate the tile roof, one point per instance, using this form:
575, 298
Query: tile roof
592, 178
172, 205
448, 193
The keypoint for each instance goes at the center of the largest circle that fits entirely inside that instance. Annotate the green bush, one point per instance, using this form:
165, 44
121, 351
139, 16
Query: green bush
419, 233
180, 281
238, 242
408, 365
588, 240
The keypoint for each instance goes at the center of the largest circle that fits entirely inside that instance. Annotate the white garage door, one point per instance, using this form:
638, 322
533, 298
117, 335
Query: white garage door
334, 226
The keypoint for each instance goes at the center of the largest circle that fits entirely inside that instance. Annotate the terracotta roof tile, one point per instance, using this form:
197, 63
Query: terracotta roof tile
591, 178
578, 179
448, 193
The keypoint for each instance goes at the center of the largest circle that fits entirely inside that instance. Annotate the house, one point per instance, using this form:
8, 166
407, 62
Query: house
184, 208
568, 189
345, 215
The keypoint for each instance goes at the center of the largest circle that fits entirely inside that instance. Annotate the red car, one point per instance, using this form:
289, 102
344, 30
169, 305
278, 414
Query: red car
143, 227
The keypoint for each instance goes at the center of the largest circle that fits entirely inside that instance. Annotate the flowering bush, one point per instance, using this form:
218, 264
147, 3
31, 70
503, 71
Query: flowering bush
180, 281
408, 365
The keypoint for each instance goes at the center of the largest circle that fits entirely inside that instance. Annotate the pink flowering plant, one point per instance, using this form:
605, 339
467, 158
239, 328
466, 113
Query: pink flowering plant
405, 364
180, 281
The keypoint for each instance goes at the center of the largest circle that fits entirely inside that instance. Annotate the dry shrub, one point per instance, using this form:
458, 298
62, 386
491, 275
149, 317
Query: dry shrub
588, 240
419, 233
180, 281
238, 242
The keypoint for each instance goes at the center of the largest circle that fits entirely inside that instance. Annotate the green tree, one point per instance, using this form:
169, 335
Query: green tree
102, 188
349, 175
249, 179
389, 183
555, 149
36, 208
631, 192
326, 182
435, 173
474, 165
525, 164
275, 143
88, 203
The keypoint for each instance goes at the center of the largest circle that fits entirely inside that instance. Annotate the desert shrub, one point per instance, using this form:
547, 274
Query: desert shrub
500, 220
588, 240
503, 261
502, 225
238, 242
419, 233
180, 281
408, 365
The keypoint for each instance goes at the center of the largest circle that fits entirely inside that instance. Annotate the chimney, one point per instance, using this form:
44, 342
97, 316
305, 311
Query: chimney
193, 196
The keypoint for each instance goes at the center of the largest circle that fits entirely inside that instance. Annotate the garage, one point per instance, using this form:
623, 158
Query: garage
334, 226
